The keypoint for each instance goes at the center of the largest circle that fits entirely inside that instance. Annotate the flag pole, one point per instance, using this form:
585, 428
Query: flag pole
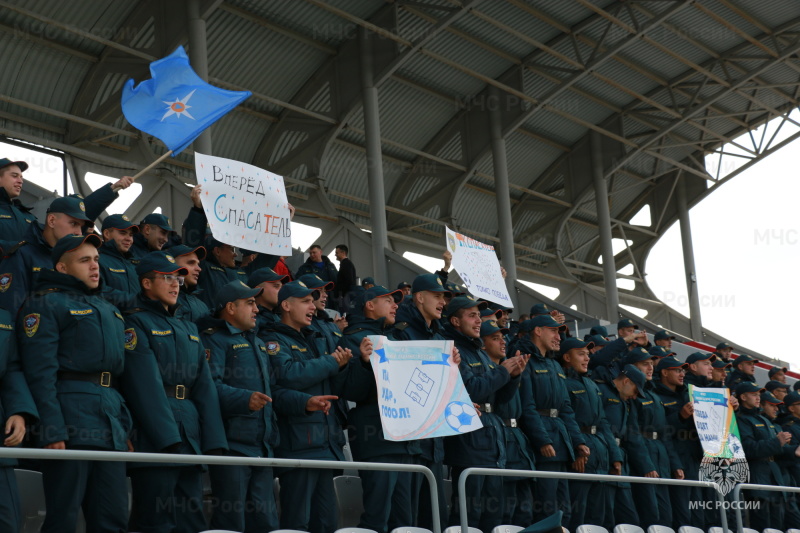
151, 165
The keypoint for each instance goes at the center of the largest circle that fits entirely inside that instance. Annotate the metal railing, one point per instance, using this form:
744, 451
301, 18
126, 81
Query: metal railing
138, 457
737, 496
462, 485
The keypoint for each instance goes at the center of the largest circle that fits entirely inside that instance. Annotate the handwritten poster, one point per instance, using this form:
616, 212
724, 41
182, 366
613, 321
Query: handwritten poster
420, 391
478, 267
246, 206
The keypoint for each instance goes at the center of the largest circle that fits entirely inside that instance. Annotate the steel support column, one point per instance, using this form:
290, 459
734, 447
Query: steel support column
372, 133
502, 194
695, 321
604, 227
198, 53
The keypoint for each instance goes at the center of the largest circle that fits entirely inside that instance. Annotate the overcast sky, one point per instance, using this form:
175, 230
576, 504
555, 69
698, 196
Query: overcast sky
746, 239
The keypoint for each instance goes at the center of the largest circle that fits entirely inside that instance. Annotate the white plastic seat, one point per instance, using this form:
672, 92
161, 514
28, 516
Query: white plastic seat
457, 529
588, 528
287, 531
31, 495
507, 529
411, 530
349, 499
355, 530
627, 528
690, 529
660, 529
718, 529
771, 530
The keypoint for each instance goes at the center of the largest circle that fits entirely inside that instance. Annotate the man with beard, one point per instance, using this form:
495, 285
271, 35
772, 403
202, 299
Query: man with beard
420, 320
587, 402
72, 355
387, 495
556, 438
191, 306
307, 498
487, 385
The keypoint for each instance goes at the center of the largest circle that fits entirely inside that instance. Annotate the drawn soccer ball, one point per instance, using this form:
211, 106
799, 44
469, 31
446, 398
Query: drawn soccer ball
462, 417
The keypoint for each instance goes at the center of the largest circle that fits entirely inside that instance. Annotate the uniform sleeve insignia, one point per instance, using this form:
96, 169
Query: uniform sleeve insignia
130, 339
273, 348
5, 281
31, 323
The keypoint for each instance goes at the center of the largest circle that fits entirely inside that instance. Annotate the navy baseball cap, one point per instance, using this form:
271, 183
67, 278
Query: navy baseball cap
429, 282
70, 242
119, 222
232, 291
662, 336
403, 285
627, 323
698, 356
6, 162
161, 263
312, 281
635, 375
769, 398
257, 277
539, 309
719, 363
669, 362
572, 343
157, 219
69, 205
792, 398
295, 289
369, 280
772, 385
464, 302
775, 369
211, 243
182, 249
455, 288
547, 525
723, 345
490, 312
660, 351
598, 340
541, 321
744, 358
636, 355
599, 330
377, 291
490, 327
748, 386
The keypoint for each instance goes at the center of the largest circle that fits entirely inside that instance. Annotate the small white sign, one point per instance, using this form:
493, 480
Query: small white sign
478, 267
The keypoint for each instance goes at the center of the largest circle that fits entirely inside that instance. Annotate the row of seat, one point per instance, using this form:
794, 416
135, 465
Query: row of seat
621, 528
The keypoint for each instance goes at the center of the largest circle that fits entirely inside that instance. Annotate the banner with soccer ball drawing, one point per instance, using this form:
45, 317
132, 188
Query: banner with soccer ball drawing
420, 391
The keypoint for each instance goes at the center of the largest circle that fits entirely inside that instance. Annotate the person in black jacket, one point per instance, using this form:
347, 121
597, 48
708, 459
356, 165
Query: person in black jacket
345, 279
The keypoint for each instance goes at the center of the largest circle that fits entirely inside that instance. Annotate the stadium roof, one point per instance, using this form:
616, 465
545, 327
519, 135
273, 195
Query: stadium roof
664, 83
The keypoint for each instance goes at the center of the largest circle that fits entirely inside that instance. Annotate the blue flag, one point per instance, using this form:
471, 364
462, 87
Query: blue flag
176, 104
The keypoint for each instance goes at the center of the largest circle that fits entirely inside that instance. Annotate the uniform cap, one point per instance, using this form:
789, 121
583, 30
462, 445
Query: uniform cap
69, 205
699, 356
160, 262
6, 162
119, 222
490, 327
295, 289
71, 242
235, 290
257, 277
429, 282
157, 219
182, 249
572, 343
312, 281
464, 302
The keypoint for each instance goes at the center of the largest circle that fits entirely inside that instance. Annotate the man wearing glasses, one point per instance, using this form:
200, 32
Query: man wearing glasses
163, 353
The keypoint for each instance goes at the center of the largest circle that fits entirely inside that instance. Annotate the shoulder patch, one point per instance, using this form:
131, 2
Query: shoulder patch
5, 281
130, 339
194, 338
273, 348
31, 323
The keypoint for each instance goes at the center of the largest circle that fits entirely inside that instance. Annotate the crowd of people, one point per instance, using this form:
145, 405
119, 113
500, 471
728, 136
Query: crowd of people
137, 339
